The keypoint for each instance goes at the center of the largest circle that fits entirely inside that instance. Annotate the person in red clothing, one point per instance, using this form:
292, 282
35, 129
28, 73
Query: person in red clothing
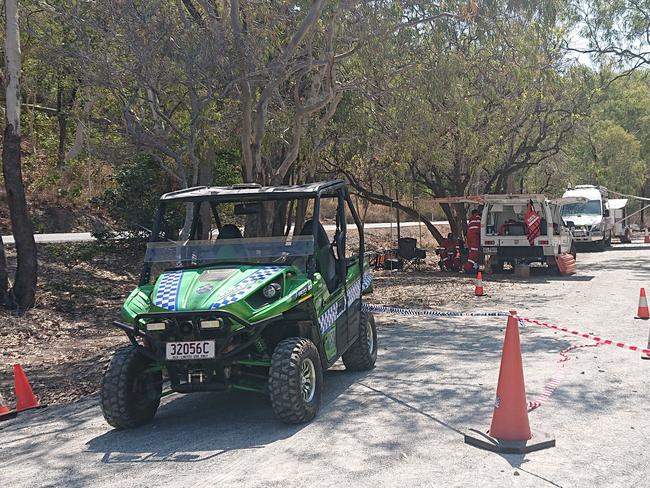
473, 242
450, 254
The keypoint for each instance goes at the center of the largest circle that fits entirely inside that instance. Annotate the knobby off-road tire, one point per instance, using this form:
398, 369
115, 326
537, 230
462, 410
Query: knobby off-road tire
295, 380
130, 397
361, 355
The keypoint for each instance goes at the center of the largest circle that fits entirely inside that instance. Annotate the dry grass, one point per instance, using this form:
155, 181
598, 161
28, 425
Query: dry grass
64, 342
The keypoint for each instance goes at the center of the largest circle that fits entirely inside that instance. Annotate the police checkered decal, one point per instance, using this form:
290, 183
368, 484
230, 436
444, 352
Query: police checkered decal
367, 281
245, 286
328, 318
354, 292
168, 290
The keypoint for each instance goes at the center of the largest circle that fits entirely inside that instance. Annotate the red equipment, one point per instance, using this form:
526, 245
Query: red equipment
533, 223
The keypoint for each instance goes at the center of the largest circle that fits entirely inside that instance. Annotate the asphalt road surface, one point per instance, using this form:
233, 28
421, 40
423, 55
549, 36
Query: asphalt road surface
400, 424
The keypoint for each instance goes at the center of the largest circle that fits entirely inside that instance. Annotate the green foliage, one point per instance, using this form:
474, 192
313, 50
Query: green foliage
227, 170
72, 255
139, 183
611, 147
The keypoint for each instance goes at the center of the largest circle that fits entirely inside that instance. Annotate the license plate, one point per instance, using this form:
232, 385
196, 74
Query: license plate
489, 250
178, 351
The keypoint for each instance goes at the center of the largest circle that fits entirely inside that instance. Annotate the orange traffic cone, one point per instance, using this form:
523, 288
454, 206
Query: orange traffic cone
643, 312
566, 264
646, 237
510, 431
25, 398
478, 289
5, 413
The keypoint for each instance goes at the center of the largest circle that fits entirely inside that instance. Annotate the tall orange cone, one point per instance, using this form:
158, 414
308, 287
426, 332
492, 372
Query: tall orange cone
646, 237
510, 431
643, 312
25, 398
478, 289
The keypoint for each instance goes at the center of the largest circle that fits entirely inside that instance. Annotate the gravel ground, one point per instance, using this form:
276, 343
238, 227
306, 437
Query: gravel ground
400, 424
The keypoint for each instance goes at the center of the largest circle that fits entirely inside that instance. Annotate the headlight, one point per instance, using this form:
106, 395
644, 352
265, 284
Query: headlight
211, 324
156, 326
271, 290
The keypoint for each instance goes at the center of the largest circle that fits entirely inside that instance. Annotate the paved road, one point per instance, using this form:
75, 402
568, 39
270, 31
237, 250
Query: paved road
64, 237
400, 424
55, 238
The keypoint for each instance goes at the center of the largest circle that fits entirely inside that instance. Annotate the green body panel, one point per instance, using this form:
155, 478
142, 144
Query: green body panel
199, 289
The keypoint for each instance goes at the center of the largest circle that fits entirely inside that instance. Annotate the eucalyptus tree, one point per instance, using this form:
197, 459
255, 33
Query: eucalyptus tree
21, 294
477, 102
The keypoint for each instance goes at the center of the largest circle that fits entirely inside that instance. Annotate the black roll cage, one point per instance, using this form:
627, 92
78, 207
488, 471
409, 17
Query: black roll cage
336, 188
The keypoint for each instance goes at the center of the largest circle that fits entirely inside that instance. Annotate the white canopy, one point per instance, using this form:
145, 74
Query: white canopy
616, 203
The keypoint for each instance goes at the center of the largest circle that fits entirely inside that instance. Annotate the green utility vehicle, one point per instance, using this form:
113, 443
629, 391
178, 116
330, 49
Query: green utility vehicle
267, 310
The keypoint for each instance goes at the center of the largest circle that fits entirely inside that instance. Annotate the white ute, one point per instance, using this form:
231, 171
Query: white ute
504, 238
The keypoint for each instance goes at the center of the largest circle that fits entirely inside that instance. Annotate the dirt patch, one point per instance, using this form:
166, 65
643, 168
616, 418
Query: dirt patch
50, 215
64, 342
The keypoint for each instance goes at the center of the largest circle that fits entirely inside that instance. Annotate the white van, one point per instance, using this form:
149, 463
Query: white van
589, 221
503, 232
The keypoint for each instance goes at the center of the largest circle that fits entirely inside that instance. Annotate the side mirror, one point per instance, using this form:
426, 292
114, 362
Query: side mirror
570, 224
606, 213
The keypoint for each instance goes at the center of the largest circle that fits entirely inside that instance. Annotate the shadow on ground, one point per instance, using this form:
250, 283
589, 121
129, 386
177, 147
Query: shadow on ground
428, 379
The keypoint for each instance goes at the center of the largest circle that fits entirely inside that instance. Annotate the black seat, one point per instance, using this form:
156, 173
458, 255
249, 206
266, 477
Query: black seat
230, 231
325, 259
230, 251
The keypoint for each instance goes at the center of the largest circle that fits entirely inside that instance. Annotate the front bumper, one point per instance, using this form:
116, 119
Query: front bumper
519, 252
233, 341
587, 238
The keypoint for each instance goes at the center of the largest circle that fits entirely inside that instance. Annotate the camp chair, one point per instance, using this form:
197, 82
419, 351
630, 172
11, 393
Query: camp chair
408, 251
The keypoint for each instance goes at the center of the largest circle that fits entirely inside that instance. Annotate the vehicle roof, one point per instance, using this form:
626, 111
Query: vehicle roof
249, 191
503, 198
515, 198
588, 191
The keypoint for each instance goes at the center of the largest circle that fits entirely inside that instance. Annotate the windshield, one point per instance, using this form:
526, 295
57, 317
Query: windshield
283, 250
592, 207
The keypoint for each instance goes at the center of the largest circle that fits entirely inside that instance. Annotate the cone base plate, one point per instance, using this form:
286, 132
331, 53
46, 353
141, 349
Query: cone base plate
8, 415
35, 407
482, 440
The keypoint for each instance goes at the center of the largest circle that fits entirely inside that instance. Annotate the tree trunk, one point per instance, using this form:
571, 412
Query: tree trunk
451, 218
4, 277
62, 122
206, 178
642, 217
301, 216
24, 289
